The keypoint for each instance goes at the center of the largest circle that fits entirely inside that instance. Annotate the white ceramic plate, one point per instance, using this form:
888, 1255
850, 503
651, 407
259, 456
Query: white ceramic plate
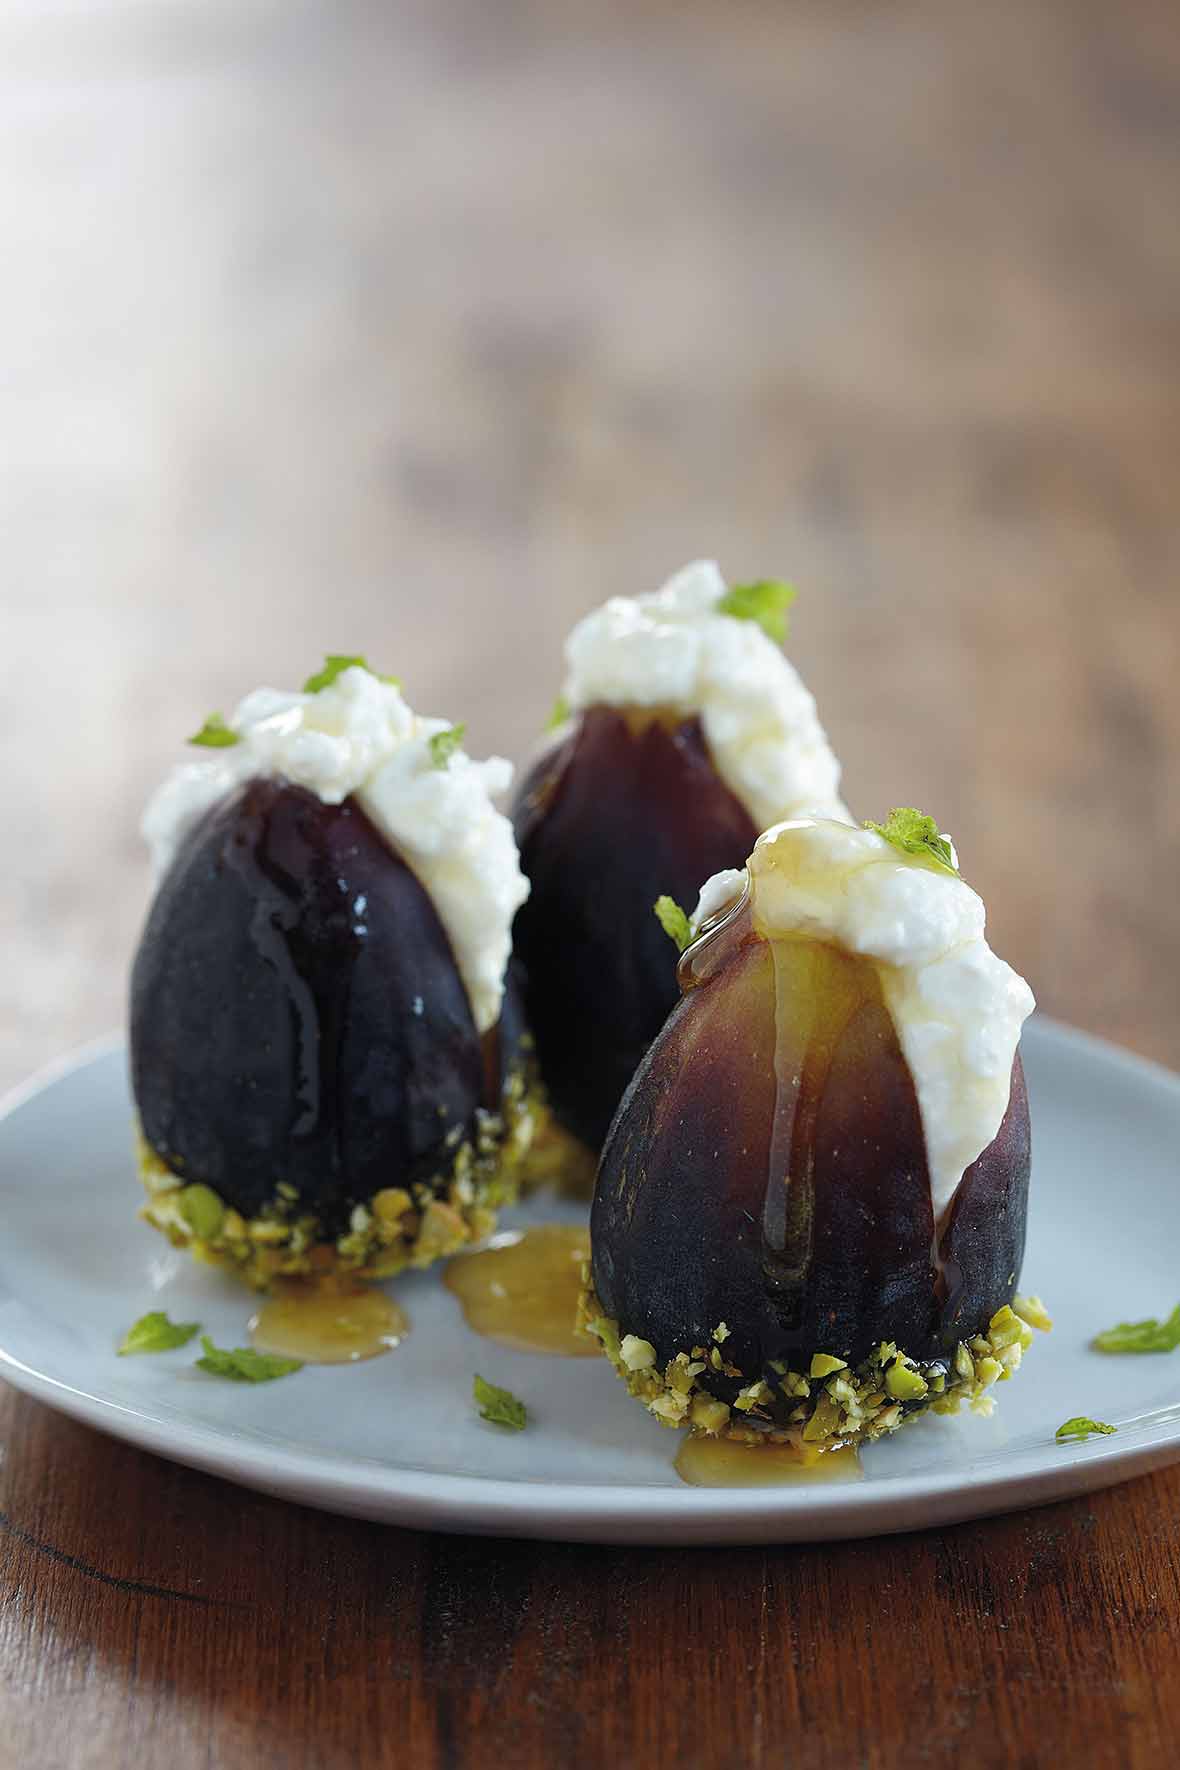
397, 1439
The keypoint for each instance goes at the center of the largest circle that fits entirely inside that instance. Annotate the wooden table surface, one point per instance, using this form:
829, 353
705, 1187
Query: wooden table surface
415, 329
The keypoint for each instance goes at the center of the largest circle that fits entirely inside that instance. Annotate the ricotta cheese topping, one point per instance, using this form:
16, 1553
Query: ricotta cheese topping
957, 1008
358, 736
673, 648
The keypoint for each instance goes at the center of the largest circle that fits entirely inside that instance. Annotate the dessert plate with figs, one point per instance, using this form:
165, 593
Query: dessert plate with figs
659, 1159
399, 1438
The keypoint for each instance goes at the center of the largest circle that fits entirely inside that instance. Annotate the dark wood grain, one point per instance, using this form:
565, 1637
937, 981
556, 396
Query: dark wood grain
415, 329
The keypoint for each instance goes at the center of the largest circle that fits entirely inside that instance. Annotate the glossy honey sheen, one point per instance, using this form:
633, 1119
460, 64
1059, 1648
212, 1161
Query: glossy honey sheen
523, 1290
328, 1321
719, 1462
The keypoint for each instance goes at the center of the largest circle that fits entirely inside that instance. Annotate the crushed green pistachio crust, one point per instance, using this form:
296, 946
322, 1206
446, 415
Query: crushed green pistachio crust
397, 1228
830, 1405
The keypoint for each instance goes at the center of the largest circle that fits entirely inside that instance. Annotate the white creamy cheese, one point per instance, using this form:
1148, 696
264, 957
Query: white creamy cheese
957, 1008
673, 648
358, 736
718, 894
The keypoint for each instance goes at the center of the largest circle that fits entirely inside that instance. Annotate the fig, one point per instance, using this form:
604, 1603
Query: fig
769, 1255
686, 731
313, 1088
625, 808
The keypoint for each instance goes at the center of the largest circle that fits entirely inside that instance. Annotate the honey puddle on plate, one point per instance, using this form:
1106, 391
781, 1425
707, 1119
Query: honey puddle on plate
523, 1290
718, 1462
328, 1321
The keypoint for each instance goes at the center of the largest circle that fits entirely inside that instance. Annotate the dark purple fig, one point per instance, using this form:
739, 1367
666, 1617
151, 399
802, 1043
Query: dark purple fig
767, 1171
626, 808
301, 1039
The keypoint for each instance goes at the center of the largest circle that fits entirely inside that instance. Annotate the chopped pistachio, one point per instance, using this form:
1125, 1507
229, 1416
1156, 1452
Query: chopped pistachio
1033, 1311
670, 1407
636, 1354
452, 1208
904, 1382
708, 1415
678, 1373
754, 1395
824, 1422
823, 1364
391, 1203
202, 1210
1007, 1329
845, 1406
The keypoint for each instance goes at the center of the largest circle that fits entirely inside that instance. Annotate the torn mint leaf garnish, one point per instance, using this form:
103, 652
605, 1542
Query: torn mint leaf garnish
156, 1333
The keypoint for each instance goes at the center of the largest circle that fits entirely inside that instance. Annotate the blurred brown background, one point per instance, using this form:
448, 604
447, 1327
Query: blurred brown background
416, 329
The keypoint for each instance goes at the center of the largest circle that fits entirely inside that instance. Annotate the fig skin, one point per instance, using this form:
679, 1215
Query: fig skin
626, 808
296, 1012
692, 1225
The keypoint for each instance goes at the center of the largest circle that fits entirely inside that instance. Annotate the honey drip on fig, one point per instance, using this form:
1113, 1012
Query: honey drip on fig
713, 948
523, 1290
720, 1462
328, 1321
810, 1084
818, 989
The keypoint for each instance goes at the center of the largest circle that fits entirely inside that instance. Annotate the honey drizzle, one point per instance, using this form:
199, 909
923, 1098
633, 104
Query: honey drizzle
523, 1290
328, 1321
721, 1462
808, 1031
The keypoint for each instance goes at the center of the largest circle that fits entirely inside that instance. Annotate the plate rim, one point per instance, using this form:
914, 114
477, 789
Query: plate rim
605, 1512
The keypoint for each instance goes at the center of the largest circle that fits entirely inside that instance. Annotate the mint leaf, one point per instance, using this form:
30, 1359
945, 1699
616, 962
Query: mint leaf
560, 713
243, 1364
1080, 1429
1141, 1336
155, 1333
335, 664
766, 602
915, 833
445, 744
499, 1406
215, 734
673, 921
